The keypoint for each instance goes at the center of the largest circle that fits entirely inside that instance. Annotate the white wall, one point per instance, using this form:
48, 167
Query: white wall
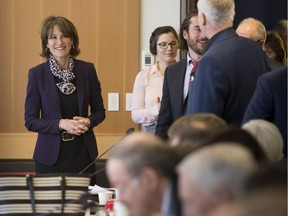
155, 13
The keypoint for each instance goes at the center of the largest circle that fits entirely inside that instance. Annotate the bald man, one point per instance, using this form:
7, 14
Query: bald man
255, 30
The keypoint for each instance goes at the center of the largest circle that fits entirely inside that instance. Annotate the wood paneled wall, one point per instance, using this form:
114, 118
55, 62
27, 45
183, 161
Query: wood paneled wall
109, 37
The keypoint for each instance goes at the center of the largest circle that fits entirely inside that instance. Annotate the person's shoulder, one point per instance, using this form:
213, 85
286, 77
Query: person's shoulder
279, 73
39, 67
178, 65
148, 70
232, 47
84, 66
281, 70
230, 37
243, 44
82, 62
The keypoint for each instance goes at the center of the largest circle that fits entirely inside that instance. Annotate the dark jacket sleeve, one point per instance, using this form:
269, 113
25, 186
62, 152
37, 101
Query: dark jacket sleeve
39, 112
260, 105
165, 118
96, 101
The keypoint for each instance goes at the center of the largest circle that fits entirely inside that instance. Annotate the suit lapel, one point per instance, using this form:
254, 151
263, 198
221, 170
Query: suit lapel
52, 88
179, 85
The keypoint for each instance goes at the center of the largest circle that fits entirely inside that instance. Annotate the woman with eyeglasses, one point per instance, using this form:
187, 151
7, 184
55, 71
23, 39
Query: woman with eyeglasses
59, 93
147, 90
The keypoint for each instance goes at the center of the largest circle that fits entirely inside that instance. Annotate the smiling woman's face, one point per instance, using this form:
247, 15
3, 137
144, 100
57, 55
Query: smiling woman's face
59, 44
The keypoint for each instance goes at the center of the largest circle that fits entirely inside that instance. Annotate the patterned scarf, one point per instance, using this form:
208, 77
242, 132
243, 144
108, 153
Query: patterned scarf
66, 75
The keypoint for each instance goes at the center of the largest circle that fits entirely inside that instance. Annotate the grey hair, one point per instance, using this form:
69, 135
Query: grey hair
260, 33
140, 150
221, 165
218, 12
268, 137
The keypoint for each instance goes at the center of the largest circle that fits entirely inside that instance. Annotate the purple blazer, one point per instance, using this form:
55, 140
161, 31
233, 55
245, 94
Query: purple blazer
42, 108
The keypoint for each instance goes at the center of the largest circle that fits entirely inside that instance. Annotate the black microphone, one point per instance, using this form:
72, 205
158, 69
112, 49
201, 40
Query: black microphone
129, 131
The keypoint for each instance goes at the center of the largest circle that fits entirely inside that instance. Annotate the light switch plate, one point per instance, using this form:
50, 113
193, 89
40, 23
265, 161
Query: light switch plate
147, 59
113, 101
129, 101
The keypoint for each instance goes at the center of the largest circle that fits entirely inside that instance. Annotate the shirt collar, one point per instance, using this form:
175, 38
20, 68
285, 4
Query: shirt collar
188, 59
154, 69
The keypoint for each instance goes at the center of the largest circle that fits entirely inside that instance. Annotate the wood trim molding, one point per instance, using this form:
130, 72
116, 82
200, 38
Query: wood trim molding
21, 145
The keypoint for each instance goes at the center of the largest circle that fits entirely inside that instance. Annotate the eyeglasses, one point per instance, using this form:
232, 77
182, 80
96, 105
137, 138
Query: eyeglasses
164, 45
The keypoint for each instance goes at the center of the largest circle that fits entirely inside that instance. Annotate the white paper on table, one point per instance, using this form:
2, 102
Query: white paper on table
96, 189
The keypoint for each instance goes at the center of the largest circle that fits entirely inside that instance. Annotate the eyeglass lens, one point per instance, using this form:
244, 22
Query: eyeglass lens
164, 45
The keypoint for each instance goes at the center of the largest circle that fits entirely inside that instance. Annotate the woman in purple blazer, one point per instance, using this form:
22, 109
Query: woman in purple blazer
60, 93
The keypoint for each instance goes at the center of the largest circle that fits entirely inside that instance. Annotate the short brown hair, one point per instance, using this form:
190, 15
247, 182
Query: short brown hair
185, 27
196, 122
275, 42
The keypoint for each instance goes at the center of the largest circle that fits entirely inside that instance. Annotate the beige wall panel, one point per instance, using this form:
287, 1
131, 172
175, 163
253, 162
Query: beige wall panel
26, 49
109, 37
112, 62
6, 67
21, 145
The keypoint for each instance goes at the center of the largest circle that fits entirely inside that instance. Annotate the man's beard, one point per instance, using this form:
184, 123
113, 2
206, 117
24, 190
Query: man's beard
194, 47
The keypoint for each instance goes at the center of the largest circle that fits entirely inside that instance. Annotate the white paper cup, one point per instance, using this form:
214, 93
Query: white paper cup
104, 196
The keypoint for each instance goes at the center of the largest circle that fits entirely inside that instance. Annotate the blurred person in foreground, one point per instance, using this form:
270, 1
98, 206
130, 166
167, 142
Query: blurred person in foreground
228, 71
63, 102
264, 193
194, 129
268, 137
147, 90
213, 176
236, 134
142, 168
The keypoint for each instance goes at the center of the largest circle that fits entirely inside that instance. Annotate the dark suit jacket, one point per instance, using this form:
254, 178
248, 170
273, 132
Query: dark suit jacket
42, 108
226, 76
172, 97
269, 101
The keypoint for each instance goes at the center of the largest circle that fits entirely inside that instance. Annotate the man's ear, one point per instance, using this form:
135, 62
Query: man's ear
261, 43
202, 19
149, 179
185, 35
